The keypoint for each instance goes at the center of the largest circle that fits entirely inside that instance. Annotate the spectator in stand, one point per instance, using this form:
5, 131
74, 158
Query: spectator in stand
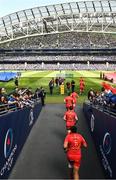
29, 93
71, 118
26, 100
3, 92
72, 146
3, 104
68, 101
91, 95
12, 102
73, 85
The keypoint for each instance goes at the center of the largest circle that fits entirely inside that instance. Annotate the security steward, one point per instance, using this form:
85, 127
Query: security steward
42, 95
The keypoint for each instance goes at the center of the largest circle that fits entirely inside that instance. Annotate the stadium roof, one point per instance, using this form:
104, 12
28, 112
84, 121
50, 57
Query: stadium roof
90, 16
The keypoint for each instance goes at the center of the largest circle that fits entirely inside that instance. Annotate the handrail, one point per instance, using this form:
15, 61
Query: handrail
10, 107
104, 108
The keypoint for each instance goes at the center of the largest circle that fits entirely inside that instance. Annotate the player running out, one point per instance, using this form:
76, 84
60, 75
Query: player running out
69, 101
72, 146
82, 85
75, 96
71, 118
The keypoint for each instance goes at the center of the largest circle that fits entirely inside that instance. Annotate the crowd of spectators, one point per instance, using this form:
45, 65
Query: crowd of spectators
57, 66
57, 58
105, 99
18, 99
65, 40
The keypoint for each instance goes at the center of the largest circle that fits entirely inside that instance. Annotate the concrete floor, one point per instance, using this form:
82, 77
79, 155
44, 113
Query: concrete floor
42, 156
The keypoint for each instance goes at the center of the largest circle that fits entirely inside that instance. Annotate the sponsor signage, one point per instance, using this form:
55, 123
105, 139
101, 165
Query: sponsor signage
9, 161
107, 143
102, 127
9, 152
31, 117
14, 130
8, 143
105, 149
92, 123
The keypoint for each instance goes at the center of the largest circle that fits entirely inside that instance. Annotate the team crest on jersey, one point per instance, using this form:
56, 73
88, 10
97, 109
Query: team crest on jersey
8, 143
107, 143
92, 122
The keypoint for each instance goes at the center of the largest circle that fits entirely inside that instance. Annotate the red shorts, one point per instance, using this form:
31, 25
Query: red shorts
74, 160
68, 105
82, 88
70, 124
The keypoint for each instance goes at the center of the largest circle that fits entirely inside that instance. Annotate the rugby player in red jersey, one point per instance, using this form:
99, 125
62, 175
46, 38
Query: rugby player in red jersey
71, 118
81, 88
82, 85
69, 101
72, 146
75, 96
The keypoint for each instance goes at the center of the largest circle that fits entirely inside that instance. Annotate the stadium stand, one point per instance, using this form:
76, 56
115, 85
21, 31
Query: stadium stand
63, 66
64, 40
57, 58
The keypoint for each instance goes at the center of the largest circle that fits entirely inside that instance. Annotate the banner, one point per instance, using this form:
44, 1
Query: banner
102, 127
14, 130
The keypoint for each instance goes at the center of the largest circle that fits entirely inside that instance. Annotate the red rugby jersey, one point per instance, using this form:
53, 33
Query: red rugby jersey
69, 101
75, 142
74, 95
70, 116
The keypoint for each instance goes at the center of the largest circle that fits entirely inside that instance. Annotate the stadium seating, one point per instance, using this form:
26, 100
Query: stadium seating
65, 40
57, 58
63, 66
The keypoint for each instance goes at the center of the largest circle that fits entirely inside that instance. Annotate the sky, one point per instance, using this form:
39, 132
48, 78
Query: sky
11, 6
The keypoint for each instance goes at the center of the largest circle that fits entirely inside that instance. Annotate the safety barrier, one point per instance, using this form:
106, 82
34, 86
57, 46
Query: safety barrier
14, 130
102, 126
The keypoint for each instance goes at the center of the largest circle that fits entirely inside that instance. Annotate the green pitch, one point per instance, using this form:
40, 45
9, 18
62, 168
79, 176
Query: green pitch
34, 79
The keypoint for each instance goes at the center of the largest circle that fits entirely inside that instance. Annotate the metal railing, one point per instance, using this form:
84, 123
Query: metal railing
102, 107
11, 107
